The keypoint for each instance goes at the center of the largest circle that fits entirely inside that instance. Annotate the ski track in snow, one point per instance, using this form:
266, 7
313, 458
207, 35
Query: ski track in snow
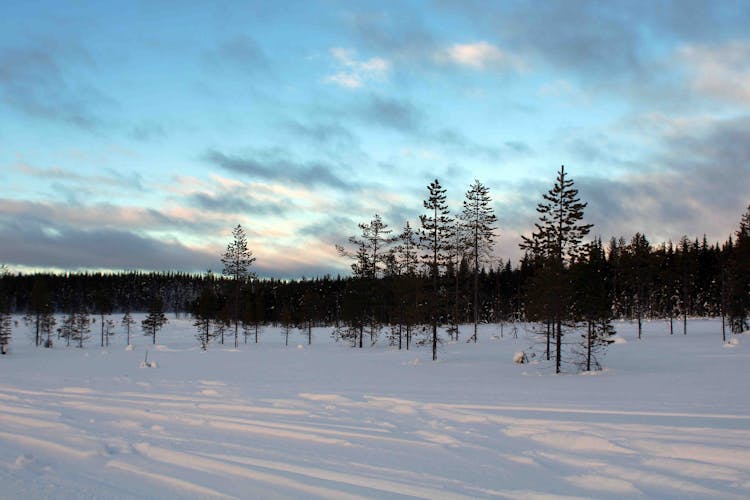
207, 439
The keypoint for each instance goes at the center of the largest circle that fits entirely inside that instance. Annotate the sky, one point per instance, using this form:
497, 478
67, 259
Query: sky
136, 135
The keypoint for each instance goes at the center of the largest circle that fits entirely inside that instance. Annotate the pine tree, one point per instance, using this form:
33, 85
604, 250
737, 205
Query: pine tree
370, 253
127, 322
237, 260
478, 219
435, 238
557, 242
155, 319
81, 326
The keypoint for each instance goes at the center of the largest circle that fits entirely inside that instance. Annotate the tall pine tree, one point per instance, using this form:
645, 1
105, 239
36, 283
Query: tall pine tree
435, 240
478, 219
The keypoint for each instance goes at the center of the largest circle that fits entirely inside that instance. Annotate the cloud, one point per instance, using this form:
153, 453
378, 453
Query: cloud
456, 141
32, 244
109, 177
322, 133
719, 71
480, 55
240, 53
48, 81
693, 192
352, 73
274, 166
238, 202
393, 113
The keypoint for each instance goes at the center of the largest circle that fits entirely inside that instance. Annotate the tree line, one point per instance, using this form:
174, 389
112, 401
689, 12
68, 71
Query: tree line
412, 284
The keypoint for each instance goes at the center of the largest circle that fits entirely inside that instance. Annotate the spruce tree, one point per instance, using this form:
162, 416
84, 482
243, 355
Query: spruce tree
435, 239
237, 260
204, 311
738, 300
478, 219
6, 322
557, 242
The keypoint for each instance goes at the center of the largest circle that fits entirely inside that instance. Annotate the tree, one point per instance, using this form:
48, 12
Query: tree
237, 260
738, 301
155, 319
370, 254
370, 248
204, 311
127, 322
637, 259
81, 326
478, 219
103, 304
6, 322
557, 242
593, 303
40, 308
435, 240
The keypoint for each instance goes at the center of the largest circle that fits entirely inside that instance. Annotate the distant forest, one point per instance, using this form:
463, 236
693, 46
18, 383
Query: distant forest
439, 274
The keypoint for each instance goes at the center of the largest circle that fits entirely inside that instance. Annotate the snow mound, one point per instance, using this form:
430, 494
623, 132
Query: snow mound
129, 347
619, 340
148, 364
733, 342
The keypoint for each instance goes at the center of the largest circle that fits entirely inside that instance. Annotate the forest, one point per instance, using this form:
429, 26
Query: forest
412, 284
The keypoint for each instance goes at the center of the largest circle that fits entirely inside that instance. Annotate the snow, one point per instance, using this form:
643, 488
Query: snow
668, 418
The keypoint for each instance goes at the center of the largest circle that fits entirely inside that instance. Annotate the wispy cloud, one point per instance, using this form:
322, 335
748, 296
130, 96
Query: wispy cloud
720, 71
275, 165
353, 73
479, 55
37, 80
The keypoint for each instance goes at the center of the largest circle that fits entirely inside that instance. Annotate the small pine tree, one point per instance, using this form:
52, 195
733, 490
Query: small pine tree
127, 322
237, 260
155, 319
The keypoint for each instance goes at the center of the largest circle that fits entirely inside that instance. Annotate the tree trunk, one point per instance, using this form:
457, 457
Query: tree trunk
684, 323
434, 339
588, 347
558, 354
548, 338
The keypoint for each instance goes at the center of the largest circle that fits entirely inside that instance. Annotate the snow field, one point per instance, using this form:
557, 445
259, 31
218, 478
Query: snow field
668, 418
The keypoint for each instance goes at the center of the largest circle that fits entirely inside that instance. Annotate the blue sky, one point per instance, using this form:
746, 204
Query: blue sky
135, 135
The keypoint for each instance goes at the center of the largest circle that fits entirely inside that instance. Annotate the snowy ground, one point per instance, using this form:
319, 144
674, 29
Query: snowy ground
669, 418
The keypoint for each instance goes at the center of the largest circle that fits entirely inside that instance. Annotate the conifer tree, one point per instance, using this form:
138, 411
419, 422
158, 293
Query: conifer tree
435, 240
370, 253
155, 319
478, 219
127, 322
237, 260
557, 242
6, 322
738, 301
204, 311
593, 303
